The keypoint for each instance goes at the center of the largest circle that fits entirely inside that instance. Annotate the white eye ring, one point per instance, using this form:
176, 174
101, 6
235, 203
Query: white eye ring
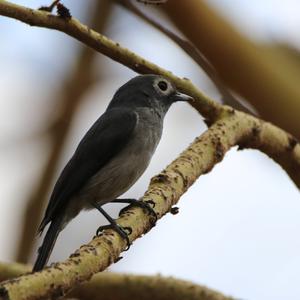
162, 86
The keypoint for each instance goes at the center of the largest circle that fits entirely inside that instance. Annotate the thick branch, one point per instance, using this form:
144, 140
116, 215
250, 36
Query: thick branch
234, 128
125, 286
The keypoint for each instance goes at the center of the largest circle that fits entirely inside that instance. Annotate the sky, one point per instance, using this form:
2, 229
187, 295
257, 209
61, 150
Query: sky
237, 230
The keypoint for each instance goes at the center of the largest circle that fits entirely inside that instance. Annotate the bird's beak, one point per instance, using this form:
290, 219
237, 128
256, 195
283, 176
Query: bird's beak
182, 97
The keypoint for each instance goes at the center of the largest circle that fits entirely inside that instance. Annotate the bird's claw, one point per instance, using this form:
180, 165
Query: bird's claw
120, 230
144, 205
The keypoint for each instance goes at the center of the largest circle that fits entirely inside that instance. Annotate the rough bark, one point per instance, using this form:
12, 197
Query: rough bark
111, 286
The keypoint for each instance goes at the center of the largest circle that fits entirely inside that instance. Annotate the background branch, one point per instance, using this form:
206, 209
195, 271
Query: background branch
227, 96
113, 286
245, 67
77, 82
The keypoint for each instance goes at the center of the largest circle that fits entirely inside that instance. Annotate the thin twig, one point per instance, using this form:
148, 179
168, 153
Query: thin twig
156, 2
50, 7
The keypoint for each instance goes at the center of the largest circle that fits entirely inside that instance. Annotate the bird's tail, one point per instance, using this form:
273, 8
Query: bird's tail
48, 243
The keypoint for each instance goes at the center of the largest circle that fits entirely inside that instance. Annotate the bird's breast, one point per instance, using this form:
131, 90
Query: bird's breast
123, 170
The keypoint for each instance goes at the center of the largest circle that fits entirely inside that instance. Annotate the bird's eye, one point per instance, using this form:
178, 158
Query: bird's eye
163, 85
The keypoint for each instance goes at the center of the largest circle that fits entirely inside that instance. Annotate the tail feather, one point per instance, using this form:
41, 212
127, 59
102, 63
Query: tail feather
48, 243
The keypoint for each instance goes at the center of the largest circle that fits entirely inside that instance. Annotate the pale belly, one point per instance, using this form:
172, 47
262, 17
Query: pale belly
118, 175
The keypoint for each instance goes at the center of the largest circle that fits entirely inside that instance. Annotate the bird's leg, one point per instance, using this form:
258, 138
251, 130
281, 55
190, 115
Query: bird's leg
143, 204
113, 225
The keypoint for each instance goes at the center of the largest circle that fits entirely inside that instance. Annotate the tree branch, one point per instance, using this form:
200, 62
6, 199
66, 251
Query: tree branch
113, 286
207, 107
227, 96
247, 68
233, 128
229, 128
127, 287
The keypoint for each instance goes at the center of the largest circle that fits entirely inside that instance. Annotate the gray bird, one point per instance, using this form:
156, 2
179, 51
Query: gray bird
111, 157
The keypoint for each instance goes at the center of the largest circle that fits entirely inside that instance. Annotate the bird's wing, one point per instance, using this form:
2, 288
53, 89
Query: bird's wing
104, 140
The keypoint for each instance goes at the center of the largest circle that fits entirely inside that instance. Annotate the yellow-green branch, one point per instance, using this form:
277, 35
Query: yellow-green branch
165, 189
113, 286
207, 107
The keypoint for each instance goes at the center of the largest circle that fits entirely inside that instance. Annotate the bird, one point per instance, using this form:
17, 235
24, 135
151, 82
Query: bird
110, 158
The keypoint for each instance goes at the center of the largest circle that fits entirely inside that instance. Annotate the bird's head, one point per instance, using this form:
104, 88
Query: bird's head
147, 91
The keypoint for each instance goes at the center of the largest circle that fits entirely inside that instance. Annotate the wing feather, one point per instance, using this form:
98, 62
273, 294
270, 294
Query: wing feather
104, 140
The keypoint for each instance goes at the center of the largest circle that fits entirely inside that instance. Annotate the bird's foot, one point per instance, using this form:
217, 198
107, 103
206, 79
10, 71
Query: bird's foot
122, 231
147, 205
